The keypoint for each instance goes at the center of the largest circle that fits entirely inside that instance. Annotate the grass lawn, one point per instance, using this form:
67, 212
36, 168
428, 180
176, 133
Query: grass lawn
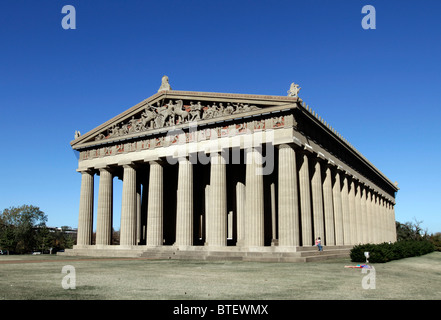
40, 277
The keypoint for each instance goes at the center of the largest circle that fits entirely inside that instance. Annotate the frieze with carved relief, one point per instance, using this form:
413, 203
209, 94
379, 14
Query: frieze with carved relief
173, 113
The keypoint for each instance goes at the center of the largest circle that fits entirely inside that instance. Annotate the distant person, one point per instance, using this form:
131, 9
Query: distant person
318, 243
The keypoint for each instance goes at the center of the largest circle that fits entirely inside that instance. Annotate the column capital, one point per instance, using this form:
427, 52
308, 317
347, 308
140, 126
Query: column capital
151, 157
158, 161
127, 164
284, 145
218, 158
86, 170
105, 168
185, 158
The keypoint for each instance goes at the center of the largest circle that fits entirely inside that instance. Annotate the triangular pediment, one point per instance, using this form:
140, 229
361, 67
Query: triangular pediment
173, 109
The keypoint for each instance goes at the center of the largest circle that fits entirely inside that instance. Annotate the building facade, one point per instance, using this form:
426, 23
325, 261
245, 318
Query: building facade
217, 170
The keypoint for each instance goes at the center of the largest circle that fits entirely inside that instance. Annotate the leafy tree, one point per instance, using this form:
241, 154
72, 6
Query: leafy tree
44, 238
411, 231
7, 238
18, 224
436, 240
61, 239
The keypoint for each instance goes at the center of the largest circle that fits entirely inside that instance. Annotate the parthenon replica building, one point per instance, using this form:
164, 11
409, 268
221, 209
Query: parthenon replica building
228, 175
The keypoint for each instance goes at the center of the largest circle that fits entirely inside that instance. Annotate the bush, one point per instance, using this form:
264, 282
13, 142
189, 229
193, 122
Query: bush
384, 252
436, 240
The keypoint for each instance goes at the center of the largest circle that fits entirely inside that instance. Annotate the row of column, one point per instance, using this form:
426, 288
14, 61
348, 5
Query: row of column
317, 201
336, 207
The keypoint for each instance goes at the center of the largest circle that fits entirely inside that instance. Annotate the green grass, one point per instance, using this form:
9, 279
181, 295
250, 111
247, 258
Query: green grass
417, 278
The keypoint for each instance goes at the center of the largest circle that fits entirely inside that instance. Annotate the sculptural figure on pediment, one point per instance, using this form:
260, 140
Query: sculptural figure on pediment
147, 119
113, 131
208, 112
132, 125
294, 90
124, 129
219, 111
229, 109
182, 113
100, 137
164, 113
195, 111
165, 85
246, 108
237, 107
170, 113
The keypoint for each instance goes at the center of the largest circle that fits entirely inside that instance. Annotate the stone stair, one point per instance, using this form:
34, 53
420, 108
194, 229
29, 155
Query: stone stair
301, 254
230, 253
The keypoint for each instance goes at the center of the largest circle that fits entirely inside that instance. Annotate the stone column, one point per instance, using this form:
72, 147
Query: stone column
375, 218
389, 222
105, 208
254, 210
240, 209
317, 201
305, 201
128, 207
85, 221
184, 210
392, 222
358, 214
338, 213
230, 225
207, 203
383, 220
274, 237
369, 216
138, 212
363, 215
386, 224
217, 212
328, 208
352, 213
287, 198
379, 218
394, 232
155, 205
345, 211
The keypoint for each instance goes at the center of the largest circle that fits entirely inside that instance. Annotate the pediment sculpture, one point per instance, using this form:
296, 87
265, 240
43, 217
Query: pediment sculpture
173, 113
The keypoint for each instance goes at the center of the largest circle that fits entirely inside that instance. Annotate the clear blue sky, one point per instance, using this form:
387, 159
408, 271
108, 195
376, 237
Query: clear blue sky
379, 88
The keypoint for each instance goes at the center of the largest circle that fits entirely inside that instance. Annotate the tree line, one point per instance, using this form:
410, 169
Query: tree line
23, 230
412, 231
